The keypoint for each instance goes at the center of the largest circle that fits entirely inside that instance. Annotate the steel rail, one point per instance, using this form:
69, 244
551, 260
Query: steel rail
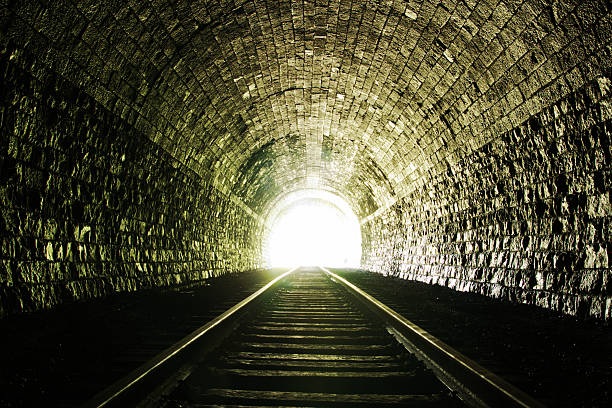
461, 369
112, 394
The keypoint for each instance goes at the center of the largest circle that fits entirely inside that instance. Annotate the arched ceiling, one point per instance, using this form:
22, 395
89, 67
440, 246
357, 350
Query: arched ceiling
355, 97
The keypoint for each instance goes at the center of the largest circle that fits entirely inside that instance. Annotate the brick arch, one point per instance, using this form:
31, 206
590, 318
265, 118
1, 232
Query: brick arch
413, 111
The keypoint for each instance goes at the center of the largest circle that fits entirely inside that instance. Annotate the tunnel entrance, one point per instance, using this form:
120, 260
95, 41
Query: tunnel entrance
313, 230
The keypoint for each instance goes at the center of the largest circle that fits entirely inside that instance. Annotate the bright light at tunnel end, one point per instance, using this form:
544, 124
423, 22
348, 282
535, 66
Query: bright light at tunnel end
314, 232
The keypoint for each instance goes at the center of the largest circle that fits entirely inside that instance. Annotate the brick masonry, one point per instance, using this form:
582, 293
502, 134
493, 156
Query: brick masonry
524, 218
432, 118
91, 207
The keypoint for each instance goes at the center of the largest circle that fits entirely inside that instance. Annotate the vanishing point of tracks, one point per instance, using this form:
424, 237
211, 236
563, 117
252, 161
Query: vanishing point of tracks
311, 339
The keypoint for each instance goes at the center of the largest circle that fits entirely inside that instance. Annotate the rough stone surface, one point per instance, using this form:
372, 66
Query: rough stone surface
91, 207
387, 103
524, 218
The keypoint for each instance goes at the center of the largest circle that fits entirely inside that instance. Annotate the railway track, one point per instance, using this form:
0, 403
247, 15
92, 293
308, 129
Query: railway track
311, 339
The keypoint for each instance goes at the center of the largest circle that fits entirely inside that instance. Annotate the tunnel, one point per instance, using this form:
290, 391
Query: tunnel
144, 143
152, 144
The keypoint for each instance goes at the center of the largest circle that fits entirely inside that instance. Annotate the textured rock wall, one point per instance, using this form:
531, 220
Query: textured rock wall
527, 217
89, 206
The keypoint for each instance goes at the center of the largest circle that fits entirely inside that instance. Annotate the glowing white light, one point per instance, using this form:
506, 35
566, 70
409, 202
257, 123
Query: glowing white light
314, 232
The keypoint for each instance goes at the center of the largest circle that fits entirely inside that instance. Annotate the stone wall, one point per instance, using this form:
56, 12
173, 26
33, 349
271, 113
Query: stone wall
526, 217
90, 206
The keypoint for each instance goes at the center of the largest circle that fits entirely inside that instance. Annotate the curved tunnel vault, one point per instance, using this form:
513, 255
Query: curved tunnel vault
143, 142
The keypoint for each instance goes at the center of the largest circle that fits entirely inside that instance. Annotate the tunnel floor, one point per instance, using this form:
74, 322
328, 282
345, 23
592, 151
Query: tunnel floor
561, 361
62, 357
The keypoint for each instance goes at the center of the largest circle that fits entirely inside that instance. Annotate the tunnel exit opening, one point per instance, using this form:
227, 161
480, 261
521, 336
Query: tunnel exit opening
314, 231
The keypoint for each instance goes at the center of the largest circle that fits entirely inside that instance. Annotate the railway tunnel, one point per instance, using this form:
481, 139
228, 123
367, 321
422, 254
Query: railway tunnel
153, 144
